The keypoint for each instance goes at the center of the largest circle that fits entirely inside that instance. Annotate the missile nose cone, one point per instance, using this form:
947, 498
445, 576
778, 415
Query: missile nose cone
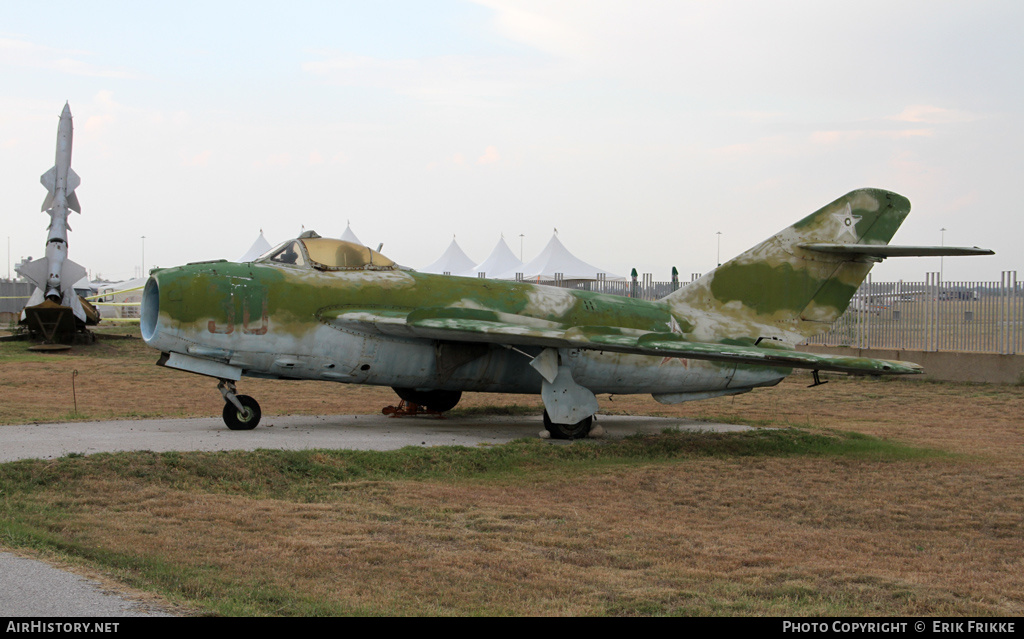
66, 113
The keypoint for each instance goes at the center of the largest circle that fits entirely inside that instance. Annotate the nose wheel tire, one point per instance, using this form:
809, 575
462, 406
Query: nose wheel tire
579, 430
245, 419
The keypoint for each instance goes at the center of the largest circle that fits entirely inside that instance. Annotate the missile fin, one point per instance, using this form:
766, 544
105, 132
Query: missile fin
35, 271
73, 182
49, 179
70, 274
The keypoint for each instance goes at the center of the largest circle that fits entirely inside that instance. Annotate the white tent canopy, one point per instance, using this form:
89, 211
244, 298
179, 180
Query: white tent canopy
349, 236
453, 261
556, 259
259, 247
500, 264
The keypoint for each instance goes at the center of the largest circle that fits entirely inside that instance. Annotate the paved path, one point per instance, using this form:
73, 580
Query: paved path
299, 432
30, 588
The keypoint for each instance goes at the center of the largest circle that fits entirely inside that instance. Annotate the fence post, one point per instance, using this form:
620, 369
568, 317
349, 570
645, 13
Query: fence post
1017, 319
936, 285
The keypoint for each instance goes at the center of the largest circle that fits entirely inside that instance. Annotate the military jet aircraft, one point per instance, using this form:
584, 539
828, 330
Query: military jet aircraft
326, 309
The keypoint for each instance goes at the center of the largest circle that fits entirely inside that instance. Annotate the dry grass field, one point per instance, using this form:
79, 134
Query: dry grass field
876, 498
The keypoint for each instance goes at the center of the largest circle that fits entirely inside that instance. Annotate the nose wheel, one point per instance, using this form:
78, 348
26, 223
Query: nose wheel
241, 412
579, 430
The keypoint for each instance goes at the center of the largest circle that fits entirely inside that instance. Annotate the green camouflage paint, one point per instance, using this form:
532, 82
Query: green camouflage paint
731, 330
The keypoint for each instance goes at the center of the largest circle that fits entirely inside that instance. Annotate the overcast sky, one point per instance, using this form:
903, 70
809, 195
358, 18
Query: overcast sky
639, 129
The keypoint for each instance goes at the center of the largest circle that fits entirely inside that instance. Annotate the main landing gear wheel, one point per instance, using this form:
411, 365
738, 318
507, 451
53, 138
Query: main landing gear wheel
245, 419
440, 401
579, 430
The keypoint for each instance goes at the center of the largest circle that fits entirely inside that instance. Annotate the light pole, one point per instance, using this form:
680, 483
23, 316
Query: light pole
942, 258
521, 236
143, 256
718, 255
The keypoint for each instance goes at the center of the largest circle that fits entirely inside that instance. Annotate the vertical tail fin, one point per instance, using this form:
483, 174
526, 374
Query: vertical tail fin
778, 289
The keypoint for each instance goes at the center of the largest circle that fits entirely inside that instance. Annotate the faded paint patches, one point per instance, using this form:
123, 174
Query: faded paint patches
777, 289
548, 302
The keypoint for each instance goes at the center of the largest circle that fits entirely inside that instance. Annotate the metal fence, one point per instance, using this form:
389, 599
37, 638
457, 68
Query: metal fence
14, 295
933, 315
642, 287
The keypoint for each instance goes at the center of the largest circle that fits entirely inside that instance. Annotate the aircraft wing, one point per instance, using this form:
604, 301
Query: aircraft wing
475, 325
670, 343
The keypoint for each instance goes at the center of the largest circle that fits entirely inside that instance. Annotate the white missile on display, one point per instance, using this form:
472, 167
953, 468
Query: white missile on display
55, 275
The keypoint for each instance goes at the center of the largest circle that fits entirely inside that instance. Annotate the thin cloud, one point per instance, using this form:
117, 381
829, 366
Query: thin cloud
450, 80
199, 159
835, 137
24, 54
541, 27
490, 156
929, 114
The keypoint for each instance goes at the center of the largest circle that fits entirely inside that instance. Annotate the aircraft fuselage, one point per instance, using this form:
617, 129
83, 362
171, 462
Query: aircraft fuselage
291, 322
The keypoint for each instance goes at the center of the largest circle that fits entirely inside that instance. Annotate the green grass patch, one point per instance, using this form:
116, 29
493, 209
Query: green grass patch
306, 473
16, 352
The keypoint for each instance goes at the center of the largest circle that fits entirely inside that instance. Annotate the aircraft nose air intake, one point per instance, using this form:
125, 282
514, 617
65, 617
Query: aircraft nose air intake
150, 309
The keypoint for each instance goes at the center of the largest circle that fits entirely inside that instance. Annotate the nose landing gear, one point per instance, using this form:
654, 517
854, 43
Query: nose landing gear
579, 430
241, 412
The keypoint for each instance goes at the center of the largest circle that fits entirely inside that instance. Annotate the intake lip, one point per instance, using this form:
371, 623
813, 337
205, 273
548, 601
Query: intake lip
150, 310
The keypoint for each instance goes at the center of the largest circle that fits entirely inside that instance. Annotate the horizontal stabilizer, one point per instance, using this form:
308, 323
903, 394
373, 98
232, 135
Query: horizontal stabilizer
883, 251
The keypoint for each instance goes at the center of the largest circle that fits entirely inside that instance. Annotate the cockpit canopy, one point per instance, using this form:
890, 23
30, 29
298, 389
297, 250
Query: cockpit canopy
326, 254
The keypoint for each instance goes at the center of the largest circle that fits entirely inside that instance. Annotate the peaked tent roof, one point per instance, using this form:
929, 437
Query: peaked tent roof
502, 263
259, 247
555, 258
349, 236
453, 261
